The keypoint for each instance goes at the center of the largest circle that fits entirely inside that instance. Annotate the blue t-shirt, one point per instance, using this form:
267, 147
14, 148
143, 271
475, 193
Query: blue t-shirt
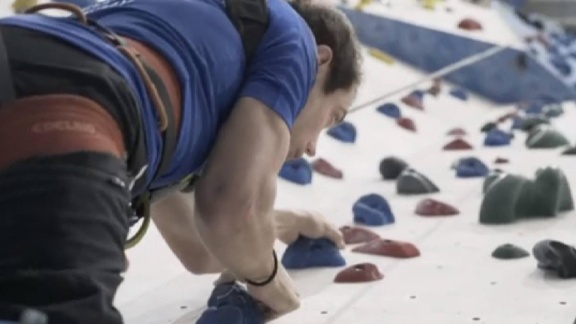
205, 50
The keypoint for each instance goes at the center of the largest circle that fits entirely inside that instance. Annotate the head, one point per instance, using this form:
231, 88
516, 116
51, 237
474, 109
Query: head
337, 79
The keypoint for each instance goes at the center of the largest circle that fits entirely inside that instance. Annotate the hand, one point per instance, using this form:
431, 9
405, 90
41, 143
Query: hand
277, 298
291, 224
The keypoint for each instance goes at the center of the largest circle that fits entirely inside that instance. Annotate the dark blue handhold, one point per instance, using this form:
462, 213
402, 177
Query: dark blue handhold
372, 210
345, 132
79, 3
309, 253
418, 94
391, 110
459, 93
497, 137
471, 167
230, 303
298, 171
561, 65
534, 107
517, 122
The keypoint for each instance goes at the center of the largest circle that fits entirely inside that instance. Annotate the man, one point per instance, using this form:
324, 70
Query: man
114, 105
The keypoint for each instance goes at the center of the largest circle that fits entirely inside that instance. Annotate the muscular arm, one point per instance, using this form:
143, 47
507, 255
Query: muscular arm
236, 193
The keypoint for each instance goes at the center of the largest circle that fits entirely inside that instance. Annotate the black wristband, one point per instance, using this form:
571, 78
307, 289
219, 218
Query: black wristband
272, 276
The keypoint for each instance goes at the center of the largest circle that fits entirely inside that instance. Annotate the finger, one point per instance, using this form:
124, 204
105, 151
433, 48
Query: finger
225, 277
336, 236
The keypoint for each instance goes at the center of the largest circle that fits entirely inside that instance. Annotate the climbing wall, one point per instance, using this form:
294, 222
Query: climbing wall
449, 274
450, 31
455, 278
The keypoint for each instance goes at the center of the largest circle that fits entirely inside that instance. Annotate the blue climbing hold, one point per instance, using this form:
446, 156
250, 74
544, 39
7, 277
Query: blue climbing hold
459, 93
372, 210
298, 171
345, 132
471, 167
230, 303
517, 122
497, 137
309, 253
534, 107
391, 110
419, 94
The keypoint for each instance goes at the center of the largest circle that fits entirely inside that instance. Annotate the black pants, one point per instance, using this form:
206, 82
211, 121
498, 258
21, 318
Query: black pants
64, 219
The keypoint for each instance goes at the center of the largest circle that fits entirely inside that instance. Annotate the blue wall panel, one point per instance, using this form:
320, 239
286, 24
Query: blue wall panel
499, 77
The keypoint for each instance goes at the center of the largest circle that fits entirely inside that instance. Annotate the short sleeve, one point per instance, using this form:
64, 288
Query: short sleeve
283, 70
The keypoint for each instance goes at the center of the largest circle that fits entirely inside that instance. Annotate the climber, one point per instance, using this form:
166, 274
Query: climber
127, 103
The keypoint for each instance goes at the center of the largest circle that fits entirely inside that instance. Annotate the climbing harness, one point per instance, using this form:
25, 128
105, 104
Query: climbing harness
250, 18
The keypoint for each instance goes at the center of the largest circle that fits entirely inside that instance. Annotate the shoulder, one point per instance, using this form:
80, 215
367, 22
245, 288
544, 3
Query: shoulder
283, 70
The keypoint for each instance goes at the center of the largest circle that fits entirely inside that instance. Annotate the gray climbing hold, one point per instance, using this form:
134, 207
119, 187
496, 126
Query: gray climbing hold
509, 251
412, 182
544, 136
528, 123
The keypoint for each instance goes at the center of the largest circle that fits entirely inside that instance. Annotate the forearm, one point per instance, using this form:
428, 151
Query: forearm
241, 237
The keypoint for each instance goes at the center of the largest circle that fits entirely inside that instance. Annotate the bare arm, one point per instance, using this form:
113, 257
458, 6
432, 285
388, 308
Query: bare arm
236, 193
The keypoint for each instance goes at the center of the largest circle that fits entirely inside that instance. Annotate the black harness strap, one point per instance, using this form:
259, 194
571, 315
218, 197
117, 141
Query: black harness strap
250, 17
7, 93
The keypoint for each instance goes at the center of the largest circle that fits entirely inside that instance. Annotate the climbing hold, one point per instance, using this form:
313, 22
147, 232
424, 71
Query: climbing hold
406, 123
391, 167
517, 122
345, 132
390, 248
413, 101
391, 110
500, 160
457, 144
459, 93
230, 303
529, 123
19, 6
509, 252
380, 55
512, 197
488, 127
556, 256
470, 167
362, 272
325, 168
457, 132
355, 235
497, 137
372, 210
570, 151
310, 253
545, 137
469, 24
553, 110
491, 178
436, 87
506, 116
297, 171
431, 207
533, 107
411, 182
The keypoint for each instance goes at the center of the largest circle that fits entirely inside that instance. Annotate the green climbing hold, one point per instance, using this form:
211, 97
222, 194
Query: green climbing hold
509, 252
529, 123
491, 178
514, 197
545, 137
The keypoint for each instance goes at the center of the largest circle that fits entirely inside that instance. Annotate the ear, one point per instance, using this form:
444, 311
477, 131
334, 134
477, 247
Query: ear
324, 56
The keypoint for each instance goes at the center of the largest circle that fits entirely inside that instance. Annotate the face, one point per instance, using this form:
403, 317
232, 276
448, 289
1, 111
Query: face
321, 111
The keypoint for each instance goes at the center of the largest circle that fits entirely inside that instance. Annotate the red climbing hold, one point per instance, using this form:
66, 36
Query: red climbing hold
431, 207
325, 168
413, 102
469, 24
362, 272
390, 248
406, 123
355, 235
458, 144
507, 116
501, 160
457, 132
